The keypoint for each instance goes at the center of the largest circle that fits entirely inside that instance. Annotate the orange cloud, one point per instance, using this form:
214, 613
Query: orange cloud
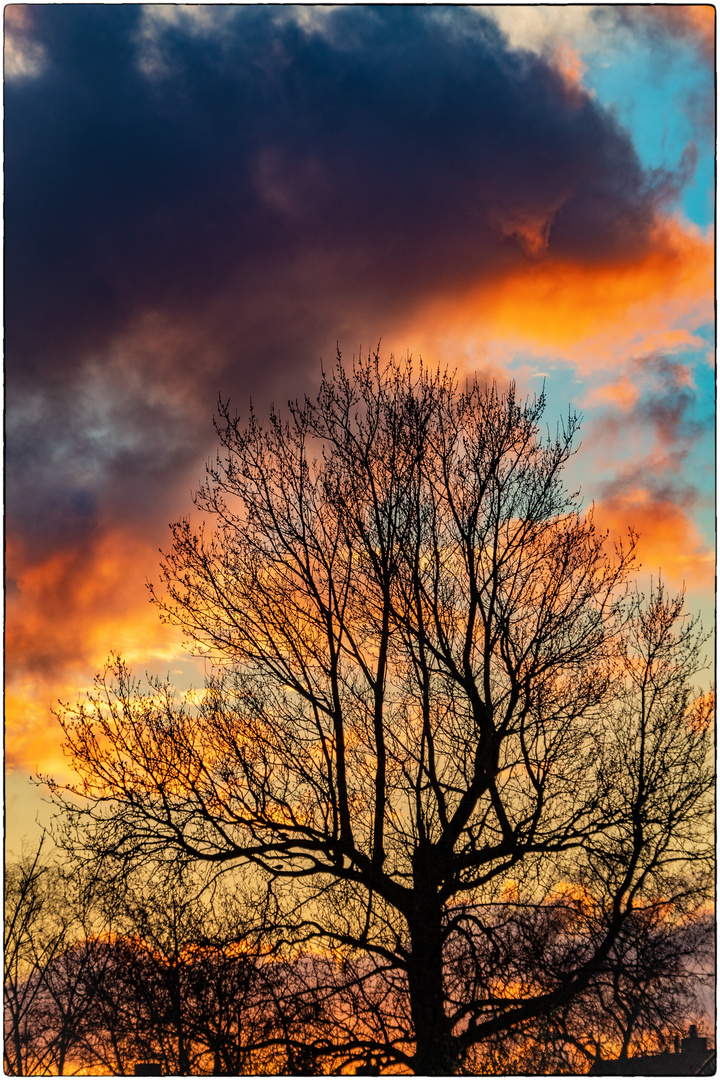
694, 21
588, 314
64, 615
654, 397
669, 538
621, 393
568, 62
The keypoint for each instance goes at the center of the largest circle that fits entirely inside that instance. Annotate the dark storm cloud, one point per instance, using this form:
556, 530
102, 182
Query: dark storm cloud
397, 145
121, 457
259, 188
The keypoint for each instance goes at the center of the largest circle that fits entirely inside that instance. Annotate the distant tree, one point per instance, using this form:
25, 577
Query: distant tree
638, 999
649, 985
98, 978
462, 752
51, 943
28, 952
182, 984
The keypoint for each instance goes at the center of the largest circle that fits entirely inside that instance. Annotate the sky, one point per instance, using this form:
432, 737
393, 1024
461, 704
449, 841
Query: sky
208, 200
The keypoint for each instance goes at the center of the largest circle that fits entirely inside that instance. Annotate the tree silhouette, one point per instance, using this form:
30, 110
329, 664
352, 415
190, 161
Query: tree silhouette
185, 988
99, 975
460, 750
53, 953
29, 948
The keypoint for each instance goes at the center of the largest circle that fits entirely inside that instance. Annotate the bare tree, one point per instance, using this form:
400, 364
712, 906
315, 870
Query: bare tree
437, 709
182, 984
101, 976
52, 941
28, 952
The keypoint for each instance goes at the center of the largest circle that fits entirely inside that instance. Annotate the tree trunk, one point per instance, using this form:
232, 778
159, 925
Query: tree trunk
436, 1050
178, 1020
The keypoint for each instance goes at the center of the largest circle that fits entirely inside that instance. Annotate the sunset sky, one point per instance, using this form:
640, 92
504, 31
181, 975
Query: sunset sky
204, 200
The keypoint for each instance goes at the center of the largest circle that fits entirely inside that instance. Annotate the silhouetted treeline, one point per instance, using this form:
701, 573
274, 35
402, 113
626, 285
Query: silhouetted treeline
100, 978
206, 981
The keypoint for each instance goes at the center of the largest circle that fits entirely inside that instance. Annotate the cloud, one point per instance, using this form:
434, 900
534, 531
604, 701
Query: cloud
590, 27
649, 421
667, 408
64, 614
106, 444
590, 313
267, 185
23, 57
670, 541
69, 606
644, 426
541, 27
664, 24
204, 200
158, 22
655, 395
621, 393
667, 40
411, 156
